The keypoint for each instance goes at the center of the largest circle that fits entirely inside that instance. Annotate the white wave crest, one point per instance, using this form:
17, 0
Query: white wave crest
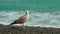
36, 19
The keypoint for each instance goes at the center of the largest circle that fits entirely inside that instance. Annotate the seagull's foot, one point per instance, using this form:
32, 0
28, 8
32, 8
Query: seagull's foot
24, 28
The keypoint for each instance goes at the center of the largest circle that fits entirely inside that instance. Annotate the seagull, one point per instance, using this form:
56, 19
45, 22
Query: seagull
22, 19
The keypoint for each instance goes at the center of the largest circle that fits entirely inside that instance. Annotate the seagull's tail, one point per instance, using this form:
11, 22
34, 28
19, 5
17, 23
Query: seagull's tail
13, 23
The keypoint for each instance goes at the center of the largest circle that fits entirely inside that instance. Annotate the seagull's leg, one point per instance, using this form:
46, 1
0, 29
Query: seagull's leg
23, 26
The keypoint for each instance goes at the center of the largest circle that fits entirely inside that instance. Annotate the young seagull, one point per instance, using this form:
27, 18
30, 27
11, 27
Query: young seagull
22, 19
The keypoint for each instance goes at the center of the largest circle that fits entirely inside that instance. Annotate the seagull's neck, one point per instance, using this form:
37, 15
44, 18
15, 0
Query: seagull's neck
27, 14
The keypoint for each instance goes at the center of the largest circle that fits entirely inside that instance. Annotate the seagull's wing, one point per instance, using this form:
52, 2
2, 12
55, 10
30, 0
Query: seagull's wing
21, 20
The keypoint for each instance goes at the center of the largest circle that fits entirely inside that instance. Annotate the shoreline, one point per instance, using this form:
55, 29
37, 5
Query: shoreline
30, 30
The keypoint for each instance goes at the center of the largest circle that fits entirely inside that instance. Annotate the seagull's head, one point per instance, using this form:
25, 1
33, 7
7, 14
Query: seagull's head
27, 12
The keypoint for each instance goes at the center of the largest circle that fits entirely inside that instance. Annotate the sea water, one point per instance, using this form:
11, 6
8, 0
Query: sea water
44, 13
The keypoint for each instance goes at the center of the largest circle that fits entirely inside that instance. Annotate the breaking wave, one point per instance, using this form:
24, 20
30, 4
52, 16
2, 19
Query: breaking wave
36, 19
